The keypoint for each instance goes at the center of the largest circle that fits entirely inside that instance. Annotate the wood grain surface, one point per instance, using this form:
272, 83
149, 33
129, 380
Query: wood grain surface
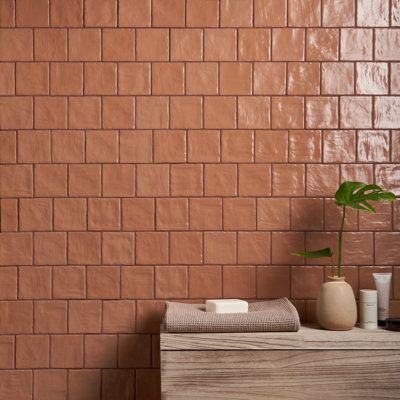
253, 374
310, 364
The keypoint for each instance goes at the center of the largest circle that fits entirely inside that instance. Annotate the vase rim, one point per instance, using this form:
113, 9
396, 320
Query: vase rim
336, 278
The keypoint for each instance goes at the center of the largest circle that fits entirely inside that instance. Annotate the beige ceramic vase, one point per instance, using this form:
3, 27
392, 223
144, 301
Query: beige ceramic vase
336, 306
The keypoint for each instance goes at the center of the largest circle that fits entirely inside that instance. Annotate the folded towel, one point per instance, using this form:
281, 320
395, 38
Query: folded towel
265, 316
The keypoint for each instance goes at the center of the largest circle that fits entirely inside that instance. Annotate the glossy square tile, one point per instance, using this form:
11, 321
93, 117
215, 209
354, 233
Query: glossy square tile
372, 13
380, 221
125, 51
356, 112
288, 180
240, 280
220, 112
372, 78
203, 146
31, 78
356, 44
205, 282
16, 45
269, 78
254, 180
303, 78
254, 45
322, 112
273, 282
205, 14
167, 78
322, 44
50, 44
306, 282
186, 180
338, 12
306, 214
373, 146
205, 214
152, 112
169, 146
201, 78
186, 248
271, 146
270, 13
253, 112
83, 44
186, 45
288, 44
134, 13
253, 248
273, 214
186, 112
239, 214
337, 78
387, 176
322, 179
100, 13
339, 146
287, 112
172, 214
236, 12
220, 45
284, 243
305, 146
304, 12
168, 13
219, 247
386, 112
237, 146
235, 78
220, 180
152, 44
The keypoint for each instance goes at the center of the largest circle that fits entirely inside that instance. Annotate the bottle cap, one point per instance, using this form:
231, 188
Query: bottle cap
368, 295
393, 324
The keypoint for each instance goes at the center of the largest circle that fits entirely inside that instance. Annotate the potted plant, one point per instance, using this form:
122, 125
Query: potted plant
336, 306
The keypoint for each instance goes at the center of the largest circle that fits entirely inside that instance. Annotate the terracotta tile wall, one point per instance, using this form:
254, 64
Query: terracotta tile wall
174, 149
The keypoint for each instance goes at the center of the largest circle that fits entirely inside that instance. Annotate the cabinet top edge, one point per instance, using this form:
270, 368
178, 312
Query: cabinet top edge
309, 337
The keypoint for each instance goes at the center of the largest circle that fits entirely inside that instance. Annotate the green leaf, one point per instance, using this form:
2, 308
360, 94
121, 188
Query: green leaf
357, 194
327, 252
345, 190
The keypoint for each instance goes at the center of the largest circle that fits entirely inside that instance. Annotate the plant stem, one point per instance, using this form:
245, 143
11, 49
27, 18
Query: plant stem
340, 242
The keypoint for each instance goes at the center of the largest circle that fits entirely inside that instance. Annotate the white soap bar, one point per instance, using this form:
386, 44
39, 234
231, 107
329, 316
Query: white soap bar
226, 306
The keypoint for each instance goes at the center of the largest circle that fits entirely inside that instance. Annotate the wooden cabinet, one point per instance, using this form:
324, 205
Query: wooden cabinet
309, 364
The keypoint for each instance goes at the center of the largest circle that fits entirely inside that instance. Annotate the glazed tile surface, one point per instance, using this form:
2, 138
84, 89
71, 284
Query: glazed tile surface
181, 149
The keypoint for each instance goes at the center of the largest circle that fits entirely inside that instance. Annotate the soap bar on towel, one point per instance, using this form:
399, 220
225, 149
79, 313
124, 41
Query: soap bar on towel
278, 315
227, 306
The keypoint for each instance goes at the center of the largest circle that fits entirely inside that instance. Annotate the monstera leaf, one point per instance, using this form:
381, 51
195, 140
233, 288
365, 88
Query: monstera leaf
357, 194
327, 252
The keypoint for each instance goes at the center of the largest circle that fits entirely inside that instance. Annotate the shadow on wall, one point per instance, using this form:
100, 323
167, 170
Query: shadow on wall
125, 373
123, 384
139, 351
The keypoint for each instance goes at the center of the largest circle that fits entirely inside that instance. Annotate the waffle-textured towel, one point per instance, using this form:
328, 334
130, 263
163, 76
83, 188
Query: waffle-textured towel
265, 316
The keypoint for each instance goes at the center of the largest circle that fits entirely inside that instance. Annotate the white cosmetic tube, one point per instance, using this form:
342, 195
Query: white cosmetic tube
382, 283
368, 309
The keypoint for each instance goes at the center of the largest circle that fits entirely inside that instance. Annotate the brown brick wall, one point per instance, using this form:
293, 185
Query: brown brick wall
180, 149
